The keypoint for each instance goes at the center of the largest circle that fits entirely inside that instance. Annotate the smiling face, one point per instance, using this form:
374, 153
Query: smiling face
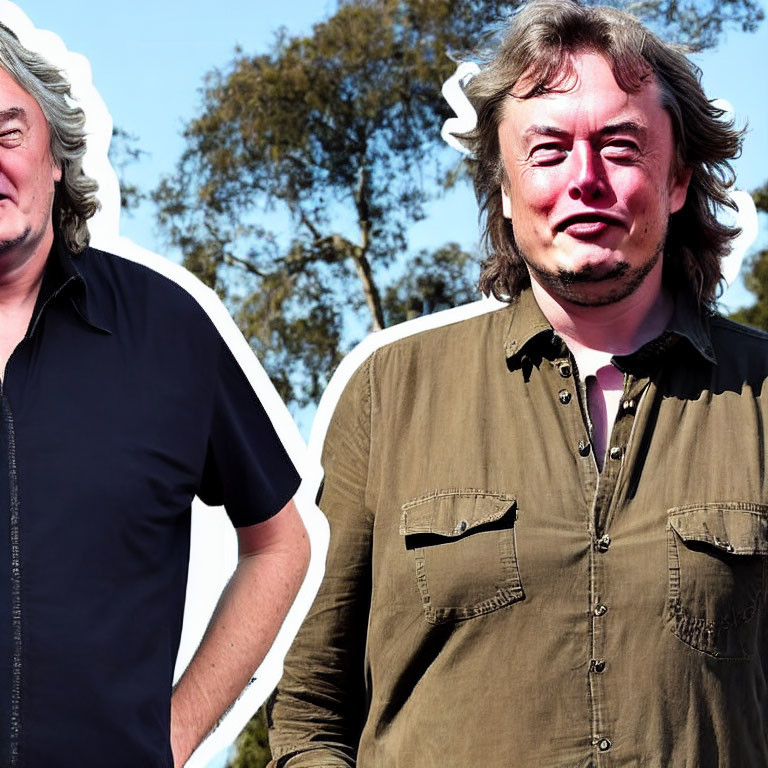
27, 172
590, 184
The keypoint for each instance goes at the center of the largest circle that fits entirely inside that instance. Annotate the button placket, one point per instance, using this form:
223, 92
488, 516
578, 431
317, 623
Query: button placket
607, 499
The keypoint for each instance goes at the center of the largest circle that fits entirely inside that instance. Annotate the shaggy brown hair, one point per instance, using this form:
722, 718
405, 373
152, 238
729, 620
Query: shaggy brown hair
539, 44
74, 199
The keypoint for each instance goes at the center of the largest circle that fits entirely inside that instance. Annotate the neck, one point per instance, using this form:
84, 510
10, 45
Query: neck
618, 328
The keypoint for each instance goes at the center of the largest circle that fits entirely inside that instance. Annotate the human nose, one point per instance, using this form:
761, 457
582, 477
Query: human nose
588, 179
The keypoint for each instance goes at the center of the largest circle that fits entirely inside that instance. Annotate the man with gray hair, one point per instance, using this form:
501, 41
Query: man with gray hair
120, 402
549, 522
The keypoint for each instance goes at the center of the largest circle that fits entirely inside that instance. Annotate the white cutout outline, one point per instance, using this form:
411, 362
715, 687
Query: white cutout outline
453, 93
210, 568
744, 217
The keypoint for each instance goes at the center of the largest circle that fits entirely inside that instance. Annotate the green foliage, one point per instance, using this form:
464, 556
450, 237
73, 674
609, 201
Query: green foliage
756, 281
693, 23
760, 196
333, 138
433, 281
252, 744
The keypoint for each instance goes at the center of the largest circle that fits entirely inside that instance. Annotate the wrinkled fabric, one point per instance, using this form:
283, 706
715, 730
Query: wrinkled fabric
492, 599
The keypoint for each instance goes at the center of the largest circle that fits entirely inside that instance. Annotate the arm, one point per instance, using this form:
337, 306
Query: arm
320, 705
272, 563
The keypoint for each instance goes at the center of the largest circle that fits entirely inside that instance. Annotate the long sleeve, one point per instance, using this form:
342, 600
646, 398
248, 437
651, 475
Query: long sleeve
318, 710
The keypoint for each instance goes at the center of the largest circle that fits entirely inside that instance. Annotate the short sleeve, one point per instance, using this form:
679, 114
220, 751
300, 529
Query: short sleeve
247, 469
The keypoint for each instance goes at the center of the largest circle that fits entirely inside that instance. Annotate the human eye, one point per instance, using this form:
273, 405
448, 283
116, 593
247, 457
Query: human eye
621, 150
550, 153
10, 136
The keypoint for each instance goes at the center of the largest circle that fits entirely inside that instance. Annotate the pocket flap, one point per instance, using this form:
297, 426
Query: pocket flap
739, 528
454, 512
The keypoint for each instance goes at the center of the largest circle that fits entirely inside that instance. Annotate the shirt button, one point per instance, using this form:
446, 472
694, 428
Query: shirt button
603, 543
565, 370
600, 610
604, 745
462, 526
565, 396
583, 448
598, 666
615, 452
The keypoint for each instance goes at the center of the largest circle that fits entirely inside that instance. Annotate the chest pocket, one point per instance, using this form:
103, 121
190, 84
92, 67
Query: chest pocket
463, 543
716, 556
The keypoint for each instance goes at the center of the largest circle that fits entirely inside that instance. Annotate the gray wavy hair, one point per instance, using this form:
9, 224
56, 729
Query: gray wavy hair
540, 43
75, 196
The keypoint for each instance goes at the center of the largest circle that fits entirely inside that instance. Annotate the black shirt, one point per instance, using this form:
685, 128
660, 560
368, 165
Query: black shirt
120, 405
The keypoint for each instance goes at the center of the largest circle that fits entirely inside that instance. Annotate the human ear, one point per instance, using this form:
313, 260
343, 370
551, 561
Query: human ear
678, 189
506, 202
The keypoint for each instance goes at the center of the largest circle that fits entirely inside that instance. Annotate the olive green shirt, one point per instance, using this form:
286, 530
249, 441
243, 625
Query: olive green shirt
492, 600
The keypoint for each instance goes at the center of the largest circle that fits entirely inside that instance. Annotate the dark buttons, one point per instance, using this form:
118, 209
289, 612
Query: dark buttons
600, 610
604, 745
603, 543
598, 665
615, 452
462, 526
565, 370
565, 396
583, 448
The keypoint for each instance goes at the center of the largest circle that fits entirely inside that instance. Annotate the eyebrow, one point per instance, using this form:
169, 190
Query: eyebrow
13, 113
626, 126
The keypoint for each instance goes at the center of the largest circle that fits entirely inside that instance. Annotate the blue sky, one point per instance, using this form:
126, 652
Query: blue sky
149, 59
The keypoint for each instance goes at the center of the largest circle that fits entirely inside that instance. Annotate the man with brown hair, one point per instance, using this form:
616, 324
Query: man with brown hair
549, 522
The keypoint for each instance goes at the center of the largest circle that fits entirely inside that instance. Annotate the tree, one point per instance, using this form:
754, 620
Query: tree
123, 151
756, 278
338, 133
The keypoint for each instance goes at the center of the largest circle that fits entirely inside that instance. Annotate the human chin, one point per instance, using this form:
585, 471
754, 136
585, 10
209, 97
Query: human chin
594, 281
8, 240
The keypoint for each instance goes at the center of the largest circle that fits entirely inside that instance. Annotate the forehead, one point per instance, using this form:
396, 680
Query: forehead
587, 98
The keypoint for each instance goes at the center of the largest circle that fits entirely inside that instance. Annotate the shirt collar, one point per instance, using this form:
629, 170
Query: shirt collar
530, 330
62, 277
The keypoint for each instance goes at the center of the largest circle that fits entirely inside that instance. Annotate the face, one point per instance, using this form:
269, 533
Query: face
590, 184
27, 171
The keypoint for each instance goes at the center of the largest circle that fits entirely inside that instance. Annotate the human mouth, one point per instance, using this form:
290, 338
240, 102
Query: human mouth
587, 225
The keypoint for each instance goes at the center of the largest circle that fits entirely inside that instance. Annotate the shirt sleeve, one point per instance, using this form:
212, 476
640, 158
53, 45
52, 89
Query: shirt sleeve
247, 469
317, 713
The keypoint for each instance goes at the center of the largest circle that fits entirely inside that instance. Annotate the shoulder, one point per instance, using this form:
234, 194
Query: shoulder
407, 359
144, 288
730, 329
731, 337
432, 342
444, 339
740, 350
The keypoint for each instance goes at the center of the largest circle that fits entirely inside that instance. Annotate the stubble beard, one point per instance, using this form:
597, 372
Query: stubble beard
7, 245
570, 284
